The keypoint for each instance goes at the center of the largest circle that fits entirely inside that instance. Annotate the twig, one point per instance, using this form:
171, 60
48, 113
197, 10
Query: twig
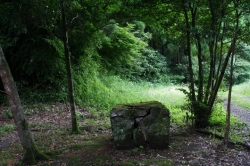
4, 92
71, 22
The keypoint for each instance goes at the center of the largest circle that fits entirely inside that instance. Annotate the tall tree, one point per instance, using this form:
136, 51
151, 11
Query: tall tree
31, 152
185, 7
209, 33
228, 115
71, 98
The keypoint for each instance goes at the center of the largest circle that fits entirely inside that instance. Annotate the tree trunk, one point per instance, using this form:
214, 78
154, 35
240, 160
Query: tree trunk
190, 66
199, 55
31, 152
227, 128
71, 98
229, 53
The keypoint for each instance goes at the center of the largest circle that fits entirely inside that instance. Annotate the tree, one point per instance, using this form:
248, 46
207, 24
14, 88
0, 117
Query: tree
212, 31
227, 127
31, 152
71, 98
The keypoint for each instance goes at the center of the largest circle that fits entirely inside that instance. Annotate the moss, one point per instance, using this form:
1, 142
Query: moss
32, 154
25, 124
54, 153
75, 128
29, 157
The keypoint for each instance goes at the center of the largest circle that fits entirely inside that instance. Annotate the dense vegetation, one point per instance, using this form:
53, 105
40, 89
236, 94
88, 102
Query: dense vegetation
105, 41
114, 47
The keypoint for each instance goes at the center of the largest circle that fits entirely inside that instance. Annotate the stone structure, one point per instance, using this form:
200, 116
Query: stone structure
140, 124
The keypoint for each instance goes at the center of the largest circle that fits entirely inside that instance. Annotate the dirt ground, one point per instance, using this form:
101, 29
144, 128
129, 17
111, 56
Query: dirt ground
94, 146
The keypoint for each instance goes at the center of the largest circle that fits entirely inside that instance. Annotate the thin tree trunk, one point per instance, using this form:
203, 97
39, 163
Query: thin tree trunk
212, 52
227, 128
31, 152
71, 98
229, 53
190, 66
198, 40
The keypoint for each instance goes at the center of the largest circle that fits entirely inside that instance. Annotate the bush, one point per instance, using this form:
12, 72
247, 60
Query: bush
151, 66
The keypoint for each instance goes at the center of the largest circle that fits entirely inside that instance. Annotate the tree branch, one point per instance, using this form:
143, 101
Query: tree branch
67, 27
4, 92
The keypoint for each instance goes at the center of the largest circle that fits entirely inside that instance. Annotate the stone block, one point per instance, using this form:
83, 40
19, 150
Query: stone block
140, 124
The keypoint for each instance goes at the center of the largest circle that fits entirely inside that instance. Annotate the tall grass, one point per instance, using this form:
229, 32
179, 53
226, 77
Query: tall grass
240, 95
107, 91
242, 88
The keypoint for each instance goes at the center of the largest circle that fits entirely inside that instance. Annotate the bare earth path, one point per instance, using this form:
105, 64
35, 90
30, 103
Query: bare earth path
240, 112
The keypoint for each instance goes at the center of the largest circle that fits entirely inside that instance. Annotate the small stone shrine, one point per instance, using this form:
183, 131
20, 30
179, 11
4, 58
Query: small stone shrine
141, 124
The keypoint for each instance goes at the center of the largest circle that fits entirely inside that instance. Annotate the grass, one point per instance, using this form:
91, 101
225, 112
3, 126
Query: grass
241, 101
111, 90
240, 95
242, 89
6, 128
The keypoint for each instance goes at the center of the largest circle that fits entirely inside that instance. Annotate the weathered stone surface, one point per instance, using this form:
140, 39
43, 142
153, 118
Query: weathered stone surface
140, 124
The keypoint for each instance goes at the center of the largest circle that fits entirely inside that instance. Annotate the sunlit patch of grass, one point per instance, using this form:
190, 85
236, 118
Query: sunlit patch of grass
108, 91
241, 101
218, 117
242, 88
240, 95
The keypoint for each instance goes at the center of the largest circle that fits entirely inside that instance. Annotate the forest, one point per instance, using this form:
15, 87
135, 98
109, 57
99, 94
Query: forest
64, 64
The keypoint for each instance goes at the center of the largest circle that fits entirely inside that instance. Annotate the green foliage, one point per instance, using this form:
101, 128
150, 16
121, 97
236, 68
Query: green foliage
6, 128
178, 72
217, 124
151, 66
121, 47
102, 92
8, 114
80, 115
197, 112
241, 64
52, 64
39, 95
241, 71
